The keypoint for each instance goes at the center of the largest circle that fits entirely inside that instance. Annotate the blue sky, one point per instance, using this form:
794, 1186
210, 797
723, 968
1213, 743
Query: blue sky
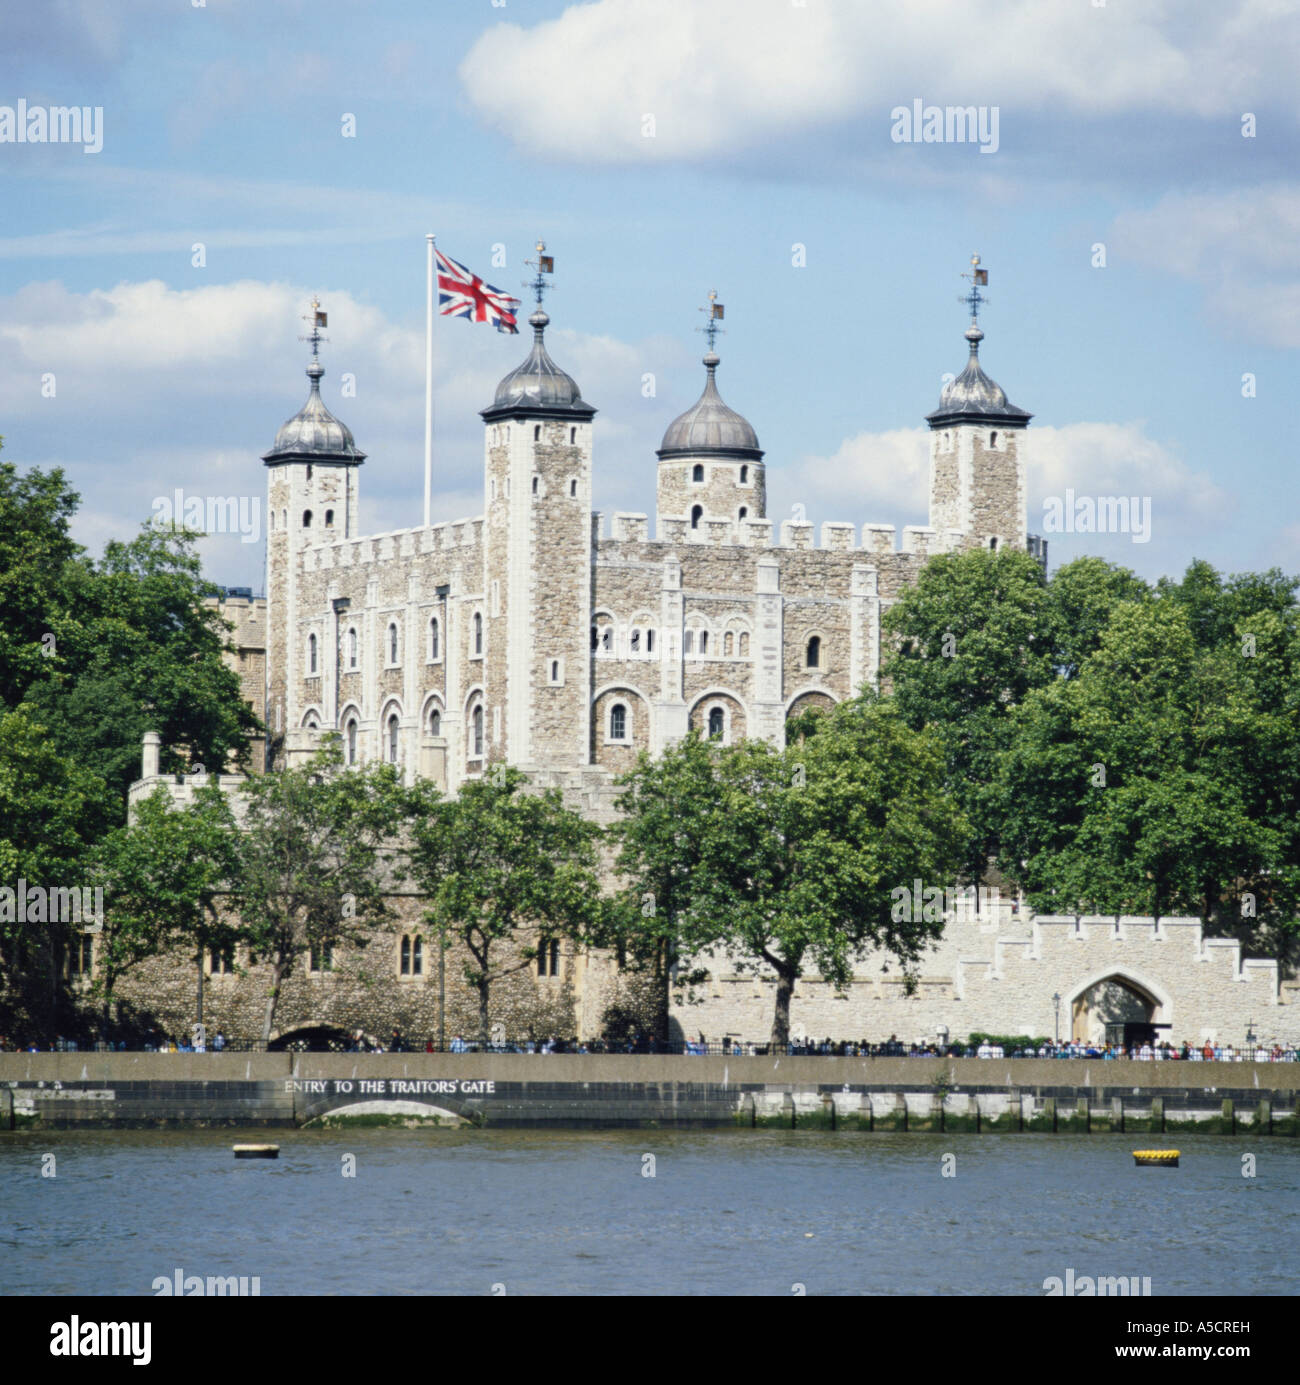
1118, 124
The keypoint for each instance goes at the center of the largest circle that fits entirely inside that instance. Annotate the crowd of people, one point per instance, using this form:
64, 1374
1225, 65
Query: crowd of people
893, 1047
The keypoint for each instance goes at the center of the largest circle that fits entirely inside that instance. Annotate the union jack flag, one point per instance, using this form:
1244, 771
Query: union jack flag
463, 294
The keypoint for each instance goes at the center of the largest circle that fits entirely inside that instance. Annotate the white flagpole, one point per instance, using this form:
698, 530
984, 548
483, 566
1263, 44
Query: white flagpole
428, 391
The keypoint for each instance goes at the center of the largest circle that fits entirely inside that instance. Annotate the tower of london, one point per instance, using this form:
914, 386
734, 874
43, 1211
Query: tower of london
532, 633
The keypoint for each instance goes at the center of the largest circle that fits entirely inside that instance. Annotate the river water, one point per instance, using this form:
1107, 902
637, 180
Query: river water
734, 1212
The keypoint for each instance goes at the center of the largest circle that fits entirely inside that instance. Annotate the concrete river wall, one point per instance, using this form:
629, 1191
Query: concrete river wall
86, 1090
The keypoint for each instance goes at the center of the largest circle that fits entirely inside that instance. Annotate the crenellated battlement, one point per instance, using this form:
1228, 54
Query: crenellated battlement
835, 536
445, 537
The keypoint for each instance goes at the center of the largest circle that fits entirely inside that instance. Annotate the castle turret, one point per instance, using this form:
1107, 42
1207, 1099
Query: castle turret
977, 468
535, 672
312, 497
710, 463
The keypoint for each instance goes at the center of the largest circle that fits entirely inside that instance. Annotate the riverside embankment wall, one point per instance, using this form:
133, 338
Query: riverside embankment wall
53, 1090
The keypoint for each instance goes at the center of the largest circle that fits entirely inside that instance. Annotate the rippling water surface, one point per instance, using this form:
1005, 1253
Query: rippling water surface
726, 1212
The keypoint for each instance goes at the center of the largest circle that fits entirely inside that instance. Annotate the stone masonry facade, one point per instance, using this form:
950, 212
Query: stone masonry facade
535, 634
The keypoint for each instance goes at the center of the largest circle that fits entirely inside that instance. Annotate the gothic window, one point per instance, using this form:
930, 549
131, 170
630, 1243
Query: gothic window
352, 649
717, 723
352, 742
392, 644
311, 653
744, 476
392, 739
618, 722
433, 638
306, 519
435, 722
814, 659
81, 957
727, 644
478, 733
412, 955
478, 632
697, 514
697, 473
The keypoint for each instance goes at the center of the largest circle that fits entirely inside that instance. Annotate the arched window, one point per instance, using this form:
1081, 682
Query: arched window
993, 439
728, 646
352, 742
433, 638
352, 649
478, 733
435, 722
993, 543
406, 956
649, 641
697, 514
744, 645
697, 472
573, 487
311, 653
814, 659
306, 519
688, 642
634, 641
618, 722
744, 475
329, 519
309, 471
537, 432
704, 641
417, 956
536, 483
272, 518
555, 670
478, 632
744, 511
392, 644
573, 436
284, 518
717, 723
392, 739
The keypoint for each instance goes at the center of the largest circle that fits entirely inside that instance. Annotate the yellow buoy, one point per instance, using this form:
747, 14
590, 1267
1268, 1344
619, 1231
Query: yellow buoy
1157, 1158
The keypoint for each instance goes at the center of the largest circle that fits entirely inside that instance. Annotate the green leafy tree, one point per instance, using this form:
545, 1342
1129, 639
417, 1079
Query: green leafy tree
969, 640
495, 859
44, 797
792, 858
164, 875
314, 860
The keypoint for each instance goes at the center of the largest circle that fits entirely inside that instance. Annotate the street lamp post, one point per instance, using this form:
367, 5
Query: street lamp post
1056, 1011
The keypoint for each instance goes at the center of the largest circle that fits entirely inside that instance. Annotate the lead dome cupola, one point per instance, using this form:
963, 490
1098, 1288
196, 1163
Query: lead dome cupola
710, 427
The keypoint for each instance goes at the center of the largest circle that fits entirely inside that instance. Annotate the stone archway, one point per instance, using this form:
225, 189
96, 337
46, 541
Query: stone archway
1111, 999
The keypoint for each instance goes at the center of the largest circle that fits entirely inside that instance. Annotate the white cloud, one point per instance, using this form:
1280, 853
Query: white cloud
1243, 246
884, 478
728, 77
